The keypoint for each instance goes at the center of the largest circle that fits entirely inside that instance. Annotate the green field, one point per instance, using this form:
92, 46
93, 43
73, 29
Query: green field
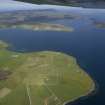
40, 78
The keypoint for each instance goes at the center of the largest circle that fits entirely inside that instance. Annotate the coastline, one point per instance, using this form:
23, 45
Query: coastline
92, 91
88, 94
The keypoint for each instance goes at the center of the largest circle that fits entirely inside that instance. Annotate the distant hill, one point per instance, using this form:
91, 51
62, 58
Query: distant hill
60, 2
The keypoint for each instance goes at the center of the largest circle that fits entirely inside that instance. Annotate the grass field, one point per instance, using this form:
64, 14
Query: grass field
40, 78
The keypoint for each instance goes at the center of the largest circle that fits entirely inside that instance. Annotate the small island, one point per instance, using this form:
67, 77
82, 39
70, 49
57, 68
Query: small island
100, 25
41, 78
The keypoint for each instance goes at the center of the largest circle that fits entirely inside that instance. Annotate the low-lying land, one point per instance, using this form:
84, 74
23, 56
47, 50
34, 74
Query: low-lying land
38, 27
55, 2
24, 16
61, 2
41, 78
100, 25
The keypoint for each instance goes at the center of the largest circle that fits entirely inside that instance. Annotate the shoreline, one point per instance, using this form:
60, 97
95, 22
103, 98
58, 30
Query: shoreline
94, 86
92, 91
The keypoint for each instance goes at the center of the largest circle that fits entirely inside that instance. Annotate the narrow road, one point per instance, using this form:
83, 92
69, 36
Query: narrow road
28, 93
53, 95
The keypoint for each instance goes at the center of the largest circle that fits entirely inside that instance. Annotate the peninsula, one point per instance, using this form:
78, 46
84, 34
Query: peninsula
41, 78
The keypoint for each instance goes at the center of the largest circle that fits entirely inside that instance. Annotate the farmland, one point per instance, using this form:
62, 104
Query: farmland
41, 78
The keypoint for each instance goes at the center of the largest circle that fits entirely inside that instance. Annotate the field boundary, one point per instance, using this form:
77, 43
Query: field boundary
53, 94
